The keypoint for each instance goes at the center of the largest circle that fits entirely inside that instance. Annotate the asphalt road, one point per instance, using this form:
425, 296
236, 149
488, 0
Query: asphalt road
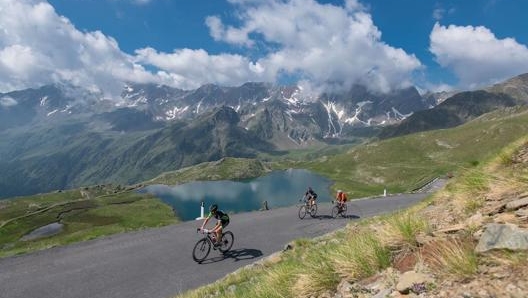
157, 263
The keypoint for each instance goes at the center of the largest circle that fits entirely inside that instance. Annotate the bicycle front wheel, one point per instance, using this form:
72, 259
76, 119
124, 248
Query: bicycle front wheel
313, 210
302, 211
201, 250
335, 211
227, 241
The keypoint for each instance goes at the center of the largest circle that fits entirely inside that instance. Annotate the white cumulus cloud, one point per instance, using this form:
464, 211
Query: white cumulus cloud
476, 56
37, 46
313, 42
321, 43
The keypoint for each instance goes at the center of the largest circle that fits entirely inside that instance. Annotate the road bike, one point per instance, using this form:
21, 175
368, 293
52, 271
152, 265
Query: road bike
307, 208
202, 248
339, 209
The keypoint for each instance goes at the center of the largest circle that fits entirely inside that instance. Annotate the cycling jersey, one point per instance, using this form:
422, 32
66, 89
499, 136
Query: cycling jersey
342, 197
221, 216
311, 193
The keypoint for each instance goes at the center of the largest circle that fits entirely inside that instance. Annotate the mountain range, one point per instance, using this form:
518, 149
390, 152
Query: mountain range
60, 136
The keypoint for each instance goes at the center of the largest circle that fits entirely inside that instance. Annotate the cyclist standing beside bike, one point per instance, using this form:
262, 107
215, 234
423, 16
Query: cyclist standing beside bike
341, 198
311, 196
223, 221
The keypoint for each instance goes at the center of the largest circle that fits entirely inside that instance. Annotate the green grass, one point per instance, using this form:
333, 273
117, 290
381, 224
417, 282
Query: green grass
106, 212
227, 168
360, 256
405, 163
401, 229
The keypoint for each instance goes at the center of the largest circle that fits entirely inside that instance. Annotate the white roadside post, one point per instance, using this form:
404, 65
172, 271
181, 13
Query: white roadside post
202, 204
385, 192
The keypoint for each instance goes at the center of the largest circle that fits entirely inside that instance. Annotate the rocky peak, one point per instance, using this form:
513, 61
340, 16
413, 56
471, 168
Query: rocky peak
516, 87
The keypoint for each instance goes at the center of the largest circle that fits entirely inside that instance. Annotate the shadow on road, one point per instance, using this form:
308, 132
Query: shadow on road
352, 216
321, 217
236, 254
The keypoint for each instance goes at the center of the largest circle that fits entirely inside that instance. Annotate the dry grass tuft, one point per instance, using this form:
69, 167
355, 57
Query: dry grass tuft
401, 230
452, 257
317, 275
362, 255
275, 283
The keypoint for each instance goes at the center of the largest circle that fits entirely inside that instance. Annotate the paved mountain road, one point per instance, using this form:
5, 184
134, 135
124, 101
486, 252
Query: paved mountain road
157, 263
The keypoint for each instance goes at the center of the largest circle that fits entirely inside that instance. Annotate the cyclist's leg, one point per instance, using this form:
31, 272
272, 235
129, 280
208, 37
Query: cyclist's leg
218, 231
223, 224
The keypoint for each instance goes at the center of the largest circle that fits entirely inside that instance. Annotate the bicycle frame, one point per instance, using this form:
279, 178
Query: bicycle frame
307, 208
210, 236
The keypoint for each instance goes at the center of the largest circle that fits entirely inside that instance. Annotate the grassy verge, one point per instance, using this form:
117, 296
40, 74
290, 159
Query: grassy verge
227, 168
85, 214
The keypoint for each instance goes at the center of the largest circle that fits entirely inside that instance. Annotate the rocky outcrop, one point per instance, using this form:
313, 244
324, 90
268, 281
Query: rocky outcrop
503, 236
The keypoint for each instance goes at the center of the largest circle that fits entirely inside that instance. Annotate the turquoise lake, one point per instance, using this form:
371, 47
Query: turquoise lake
279, 189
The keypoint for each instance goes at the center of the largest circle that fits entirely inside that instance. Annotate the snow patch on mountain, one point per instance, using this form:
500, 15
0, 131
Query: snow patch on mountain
400, 116
354, 119
43, 101
175, 113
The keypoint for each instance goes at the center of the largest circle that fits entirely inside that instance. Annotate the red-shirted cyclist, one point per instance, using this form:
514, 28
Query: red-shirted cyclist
341, 199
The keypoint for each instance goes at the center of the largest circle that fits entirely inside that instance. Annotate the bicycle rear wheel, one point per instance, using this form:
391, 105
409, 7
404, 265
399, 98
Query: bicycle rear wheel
302, 211
201, 250
227, 241
313, 210
344, 210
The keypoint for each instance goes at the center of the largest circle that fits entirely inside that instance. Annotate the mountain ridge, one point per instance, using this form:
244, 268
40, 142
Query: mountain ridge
82, 138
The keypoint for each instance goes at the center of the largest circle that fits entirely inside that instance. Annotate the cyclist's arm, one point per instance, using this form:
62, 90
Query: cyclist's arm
206, 221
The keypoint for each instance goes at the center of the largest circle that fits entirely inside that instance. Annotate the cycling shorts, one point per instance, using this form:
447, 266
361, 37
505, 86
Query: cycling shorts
224, 222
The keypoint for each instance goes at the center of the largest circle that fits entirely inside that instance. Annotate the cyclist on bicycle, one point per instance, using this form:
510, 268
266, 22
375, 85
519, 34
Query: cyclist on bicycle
222, 222
341, 199
310, 195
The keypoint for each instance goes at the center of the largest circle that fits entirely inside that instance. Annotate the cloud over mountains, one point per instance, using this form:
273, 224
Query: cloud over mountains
319, 44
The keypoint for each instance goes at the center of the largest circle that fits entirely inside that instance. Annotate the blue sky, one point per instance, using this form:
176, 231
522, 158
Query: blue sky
101, 44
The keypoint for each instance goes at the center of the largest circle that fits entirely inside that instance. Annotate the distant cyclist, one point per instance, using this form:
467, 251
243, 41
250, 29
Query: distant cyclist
311, 196
341, 199
222, 222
